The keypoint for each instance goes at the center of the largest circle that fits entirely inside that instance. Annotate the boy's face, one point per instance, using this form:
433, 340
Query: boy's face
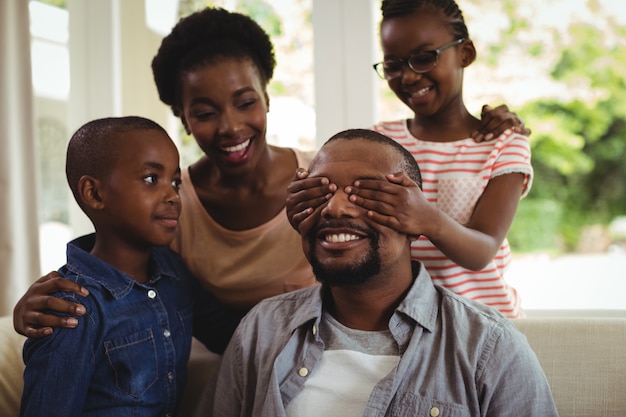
140, 198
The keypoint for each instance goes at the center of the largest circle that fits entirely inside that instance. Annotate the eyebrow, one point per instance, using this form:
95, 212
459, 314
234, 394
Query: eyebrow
244, 90
236, 94
156, 165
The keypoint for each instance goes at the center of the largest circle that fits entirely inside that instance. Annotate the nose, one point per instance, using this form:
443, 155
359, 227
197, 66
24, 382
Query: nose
409, 76
230, 124
172, 197
339, 206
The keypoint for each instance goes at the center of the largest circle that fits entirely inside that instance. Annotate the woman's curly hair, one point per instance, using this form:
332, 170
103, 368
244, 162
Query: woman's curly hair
204, 36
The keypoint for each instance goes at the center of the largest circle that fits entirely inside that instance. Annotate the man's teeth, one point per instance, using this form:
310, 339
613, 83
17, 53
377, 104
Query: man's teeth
236, 148
341, 237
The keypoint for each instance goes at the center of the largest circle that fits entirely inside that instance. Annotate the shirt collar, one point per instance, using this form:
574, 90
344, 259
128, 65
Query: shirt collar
422, 301
420, 304
81, 262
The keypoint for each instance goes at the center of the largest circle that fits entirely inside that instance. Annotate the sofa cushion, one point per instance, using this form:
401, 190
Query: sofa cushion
584, 360
11, 374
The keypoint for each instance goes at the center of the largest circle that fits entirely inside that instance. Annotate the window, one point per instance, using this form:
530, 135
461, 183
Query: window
518, 64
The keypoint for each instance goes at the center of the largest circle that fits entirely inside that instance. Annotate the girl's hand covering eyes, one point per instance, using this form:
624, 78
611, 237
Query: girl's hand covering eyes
304, 195
397, 203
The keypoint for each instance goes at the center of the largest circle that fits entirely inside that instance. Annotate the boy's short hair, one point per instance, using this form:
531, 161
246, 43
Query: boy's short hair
92, 147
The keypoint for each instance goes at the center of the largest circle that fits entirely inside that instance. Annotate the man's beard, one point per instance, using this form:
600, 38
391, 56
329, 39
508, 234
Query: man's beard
358, 273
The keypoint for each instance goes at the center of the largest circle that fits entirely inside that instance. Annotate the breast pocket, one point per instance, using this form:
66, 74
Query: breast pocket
134, 361
457, 196
412, 405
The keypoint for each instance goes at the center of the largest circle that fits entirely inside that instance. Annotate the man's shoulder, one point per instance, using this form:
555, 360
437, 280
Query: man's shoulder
292, 300
465, 311
290, 309
485, 334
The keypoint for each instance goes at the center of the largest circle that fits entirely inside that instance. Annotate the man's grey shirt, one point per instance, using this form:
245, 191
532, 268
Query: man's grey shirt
457, 358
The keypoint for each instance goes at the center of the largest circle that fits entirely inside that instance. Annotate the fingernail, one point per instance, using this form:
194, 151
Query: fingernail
84, 291
72, 322
80, 310
489, 136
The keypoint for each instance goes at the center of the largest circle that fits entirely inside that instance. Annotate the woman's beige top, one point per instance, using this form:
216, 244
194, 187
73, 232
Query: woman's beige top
241, 267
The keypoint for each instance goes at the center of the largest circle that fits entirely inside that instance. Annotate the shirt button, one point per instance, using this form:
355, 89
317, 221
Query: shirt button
303, 372
314, 330
170, 376
434, 412
151, 294
166, 333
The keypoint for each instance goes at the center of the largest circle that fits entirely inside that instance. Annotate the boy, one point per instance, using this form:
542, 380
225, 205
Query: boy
129, 354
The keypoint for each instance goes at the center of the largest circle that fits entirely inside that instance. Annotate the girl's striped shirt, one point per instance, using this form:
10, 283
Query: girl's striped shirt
454, 176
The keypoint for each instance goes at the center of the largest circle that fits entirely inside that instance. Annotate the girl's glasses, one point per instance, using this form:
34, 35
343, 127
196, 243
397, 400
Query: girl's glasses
419, 62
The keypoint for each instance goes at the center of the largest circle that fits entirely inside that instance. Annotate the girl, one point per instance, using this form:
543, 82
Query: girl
471, 189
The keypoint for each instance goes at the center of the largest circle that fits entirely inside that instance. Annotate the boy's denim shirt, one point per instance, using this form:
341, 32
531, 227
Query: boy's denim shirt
128, 354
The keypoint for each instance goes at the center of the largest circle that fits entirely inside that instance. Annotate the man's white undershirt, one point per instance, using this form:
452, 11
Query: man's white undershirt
354, 361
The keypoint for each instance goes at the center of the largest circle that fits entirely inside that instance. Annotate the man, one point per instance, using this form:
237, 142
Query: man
377, 338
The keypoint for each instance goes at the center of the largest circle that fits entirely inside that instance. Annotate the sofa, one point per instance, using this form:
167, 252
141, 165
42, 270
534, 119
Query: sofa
584, 360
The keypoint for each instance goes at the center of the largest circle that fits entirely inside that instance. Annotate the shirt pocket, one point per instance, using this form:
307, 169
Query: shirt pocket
134, 362
457, 196
409, 404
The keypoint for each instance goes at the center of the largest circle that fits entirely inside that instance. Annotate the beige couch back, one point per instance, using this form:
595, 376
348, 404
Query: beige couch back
583, 359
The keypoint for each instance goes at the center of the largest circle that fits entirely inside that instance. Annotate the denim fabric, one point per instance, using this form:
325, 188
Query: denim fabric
458, 358
128, 355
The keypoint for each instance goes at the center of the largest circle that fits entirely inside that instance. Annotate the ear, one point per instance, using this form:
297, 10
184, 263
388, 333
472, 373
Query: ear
267, 101
468, 53
90, 192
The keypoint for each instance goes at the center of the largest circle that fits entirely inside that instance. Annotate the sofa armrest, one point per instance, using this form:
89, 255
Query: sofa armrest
12, 368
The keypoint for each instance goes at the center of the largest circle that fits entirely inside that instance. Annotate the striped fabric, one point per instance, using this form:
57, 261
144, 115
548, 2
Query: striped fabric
454, 176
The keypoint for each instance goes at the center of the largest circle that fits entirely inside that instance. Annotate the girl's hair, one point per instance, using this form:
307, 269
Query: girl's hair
395, 8
203, 37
